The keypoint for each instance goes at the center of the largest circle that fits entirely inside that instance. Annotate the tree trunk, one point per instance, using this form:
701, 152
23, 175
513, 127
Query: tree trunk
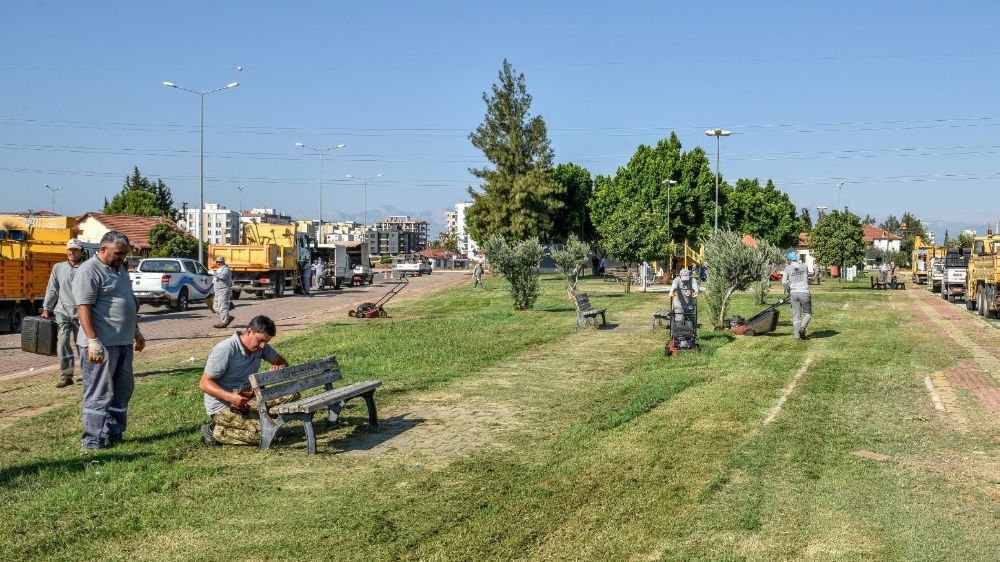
724, 307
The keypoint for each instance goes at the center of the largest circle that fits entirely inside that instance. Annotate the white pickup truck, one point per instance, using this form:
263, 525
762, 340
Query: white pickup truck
414, 268
175, 282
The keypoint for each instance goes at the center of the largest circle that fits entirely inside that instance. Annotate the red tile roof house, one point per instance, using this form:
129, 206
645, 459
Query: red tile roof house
805, 254
443, 259
880, 238
93, 226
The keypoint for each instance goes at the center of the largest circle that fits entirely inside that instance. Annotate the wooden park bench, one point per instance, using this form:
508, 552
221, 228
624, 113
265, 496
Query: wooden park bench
893, 284
585, 312
300, 378
814, 278
661, 316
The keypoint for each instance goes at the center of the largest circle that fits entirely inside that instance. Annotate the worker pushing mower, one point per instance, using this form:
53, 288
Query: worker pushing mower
376, 309
683, 314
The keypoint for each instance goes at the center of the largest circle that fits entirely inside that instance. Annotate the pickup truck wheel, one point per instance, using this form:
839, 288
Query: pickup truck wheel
182, 301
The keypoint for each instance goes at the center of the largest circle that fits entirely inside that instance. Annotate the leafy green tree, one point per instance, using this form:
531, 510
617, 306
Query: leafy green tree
765, 213
578, 188
734, 266
162, 199
571, 259
805, 220
134, 202
166, 240
914, 228
447, 240
965, 240
629, 230
518, 263
891, 223
519, 197
838, 239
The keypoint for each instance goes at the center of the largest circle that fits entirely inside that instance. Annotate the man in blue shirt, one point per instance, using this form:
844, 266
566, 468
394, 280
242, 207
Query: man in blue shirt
227, 372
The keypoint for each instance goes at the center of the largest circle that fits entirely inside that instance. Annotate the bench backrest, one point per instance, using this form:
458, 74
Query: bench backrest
296, 378
582, 302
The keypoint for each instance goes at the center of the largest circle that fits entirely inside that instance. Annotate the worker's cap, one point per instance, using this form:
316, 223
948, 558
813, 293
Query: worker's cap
74, 244
685, 274
219, 259
791, 256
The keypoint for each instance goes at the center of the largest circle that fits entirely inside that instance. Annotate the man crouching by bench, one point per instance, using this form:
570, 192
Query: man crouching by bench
235, 417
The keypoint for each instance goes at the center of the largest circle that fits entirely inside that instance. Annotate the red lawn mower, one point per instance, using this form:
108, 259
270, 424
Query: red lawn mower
375, 309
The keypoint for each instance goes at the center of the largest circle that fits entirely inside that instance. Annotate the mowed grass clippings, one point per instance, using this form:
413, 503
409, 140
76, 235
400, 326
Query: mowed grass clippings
595, 447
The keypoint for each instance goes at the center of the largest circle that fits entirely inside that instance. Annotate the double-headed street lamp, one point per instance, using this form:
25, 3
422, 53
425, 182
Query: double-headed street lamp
241, 188
53, 190
670, 239
365, 180
718, 134
322, 153
201, 159
840, 199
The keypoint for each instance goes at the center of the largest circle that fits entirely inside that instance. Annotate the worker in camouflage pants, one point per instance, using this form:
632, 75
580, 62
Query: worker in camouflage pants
235, 420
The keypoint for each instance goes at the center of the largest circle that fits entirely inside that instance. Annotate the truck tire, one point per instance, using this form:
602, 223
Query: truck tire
17, 319
279, 285
979, 302
990, 298
236, 295
970, 304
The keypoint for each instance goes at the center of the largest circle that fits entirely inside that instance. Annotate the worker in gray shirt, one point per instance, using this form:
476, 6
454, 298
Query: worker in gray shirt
59, 302
223, 286
108, 328
795, 280
683, 294
226, 381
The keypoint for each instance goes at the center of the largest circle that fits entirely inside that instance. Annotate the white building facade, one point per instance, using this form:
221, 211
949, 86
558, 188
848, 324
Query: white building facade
220, 225
466, 245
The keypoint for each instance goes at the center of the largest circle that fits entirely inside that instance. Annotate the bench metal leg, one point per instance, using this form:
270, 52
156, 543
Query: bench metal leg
268, 429
604, 321
335, 409
370, 402
307, 421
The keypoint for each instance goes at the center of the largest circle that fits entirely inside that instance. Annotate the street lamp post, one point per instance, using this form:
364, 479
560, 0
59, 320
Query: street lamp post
840, 198
201, 160
365, 181
718, 134
322, 153
670, 239
241, 188
53, 190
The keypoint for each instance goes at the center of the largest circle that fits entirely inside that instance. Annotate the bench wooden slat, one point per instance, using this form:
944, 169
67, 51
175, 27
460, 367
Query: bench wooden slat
298, 385
268, 377
319, 401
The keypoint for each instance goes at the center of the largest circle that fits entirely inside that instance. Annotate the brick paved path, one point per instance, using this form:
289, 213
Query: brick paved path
965, 334
168, 331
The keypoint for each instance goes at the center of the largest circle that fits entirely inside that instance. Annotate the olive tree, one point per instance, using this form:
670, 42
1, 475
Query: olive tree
734, 265
571, 260
518, 263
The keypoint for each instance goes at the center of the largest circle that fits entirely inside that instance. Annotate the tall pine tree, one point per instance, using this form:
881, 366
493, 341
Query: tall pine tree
519, 197
161, 202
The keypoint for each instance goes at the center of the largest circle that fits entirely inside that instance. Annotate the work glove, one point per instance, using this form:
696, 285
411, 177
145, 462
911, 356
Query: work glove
140, 342
95, 351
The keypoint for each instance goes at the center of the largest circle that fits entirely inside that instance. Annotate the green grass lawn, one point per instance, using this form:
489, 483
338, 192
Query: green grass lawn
513, 435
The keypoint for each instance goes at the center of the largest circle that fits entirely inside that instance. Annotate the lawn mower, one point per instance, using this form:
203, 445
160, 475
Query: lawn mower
763, 322
375, 309
683, 331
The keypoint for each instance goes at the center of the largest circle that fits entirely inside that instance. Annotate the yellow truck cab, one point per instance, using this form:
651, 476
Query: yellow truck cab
983, 277
269, 261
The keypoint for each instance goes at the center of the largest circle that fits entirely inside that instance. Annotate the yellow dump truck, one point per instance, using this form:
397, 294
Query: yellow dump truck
269, 261
982, 278
920, 261
29, 247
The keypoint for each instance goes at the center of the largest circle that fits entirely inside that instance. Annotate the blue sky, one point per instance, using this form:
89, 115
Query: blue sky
896, 99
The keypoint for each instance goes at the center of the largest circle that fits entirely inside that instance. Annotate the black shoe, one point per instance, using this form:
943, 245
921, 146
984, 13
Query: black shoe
218, 326
229, 321
65, 381
115, 439
206, 435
